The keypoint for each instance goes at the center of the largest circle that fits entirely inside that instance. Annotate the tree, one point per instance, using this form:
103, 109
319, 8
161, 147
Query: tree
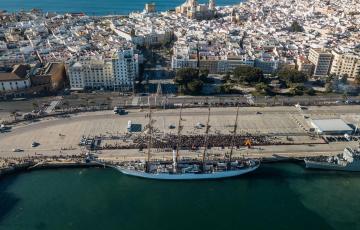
35, 105
195, 86
225, 89
343, 79
328, 87
297, 90
14, 114
291, 76
330, 78
190, 80
310, 91
204, 73
357, 80
226, 77
248, 74
296, 27
262, 87
184, 76
203, 76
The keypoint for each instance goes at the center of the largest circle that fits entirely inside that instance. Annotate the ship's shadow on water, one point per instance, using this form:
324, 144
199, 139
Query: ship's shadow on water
8, 200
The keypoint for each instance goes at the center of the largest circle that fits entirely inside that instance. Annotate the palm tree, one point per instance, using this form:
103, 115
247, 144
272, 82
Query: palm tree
357, 79
65, 105
109, 102
14, 114
35, 105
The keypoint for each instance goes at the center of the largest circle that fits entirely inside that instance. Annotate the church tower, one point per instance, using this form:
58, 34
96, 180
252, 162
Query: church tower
192, 3
212, 5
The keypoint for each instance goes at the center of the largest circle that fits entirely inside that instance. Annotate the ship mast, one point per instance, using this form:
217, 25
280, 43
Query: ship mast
206, 137
150, 139
176, 158
234, 134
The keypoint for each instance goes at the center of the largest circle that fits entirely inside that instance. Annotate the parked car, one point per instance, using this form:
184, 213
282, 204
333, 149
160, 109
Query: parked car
17, 150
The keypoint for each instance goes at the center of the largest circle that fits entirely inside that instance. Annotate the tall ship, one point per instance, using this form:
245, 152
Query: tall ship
348, 160
177, 169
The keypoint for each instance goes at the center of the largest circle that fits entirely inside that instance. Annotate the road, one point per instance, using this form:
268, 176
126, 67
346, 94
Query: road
110, 99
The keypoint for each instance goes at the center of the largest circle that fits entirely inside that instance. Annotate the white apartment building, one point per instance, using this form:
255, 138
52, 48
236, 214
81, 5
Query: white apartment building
116, 73
91, 73
186, 57
145, 34
125, 66
322, 61
345, 63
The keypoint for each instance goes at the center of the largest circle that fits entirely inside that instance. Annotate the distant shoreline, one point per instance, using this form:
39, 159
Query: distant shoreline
107, 8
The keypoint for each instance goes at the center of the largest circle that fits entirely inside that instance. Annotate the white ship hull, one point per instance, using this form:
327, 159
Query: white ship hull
187, 176
353, 167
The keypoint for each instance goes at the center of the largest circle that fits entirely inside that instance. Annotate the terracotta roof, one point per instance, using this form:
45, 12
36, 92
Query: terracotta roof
18, 73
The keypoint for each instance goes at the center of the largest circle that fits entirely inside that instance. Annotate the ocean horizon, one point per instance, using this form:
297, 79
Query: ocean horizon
95, 7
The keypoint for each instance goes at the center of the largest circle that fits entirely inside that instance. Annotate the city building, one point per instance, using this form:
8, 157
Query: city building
90, 73
267, 64
115, 73
345, 64
150, 8
14, 81
145, 34
49, 78
193, 10
304, 65
331, 126
125, 64
321, 58
254, 32
206, 56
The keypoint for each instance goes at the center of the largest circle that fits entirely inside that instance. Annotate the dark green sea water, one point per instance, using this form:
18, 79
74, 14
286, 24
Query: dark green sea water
277, 196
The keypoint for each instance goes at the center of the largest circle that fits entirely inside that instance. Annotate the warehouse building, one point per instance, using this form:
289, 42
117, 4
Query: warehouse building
331, 126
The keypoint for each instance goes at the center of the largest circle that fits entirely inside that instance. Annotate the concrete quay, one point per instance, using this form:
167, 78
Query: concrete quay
61, 136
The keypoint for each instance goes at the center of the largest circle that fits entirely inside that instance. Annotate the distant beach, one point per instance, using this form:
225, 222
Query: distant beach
95, 7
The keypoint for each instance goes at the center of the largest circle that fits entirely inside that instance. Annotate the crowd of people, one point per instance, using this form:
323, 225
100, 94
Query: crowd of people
194, 142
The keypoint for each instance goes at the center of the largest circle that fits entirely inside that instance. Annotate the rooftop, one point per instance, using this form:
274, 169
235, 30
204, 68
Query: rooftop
331, 125
19, 72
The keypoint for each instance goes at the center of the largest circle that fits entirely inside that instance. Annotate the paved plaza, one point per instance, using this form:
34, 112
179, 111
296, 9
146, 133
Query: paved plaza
62, 135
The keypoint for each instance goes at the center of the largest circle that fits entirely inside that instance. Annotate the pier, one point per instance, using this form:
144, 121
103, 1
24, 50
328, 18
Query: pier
266, 133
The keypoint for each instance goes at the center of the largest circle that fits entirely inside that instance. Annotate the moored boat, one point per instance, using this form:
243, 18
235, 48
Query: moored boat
176, 169
190, 171
348, 160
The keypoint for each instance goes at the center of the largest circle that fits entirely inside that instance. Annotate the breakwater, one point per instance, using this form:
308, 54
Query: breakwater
16, 165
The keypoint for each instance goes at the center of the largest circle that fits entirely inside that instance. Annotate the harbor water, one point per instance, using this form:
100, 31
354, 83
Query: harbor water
276, 196
96, 7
